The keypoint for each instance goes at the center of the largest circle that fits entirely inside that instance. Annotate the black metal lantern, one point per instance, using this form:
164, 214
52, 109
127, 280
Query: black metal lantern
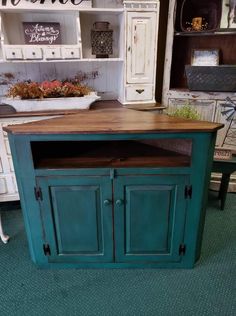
101, 39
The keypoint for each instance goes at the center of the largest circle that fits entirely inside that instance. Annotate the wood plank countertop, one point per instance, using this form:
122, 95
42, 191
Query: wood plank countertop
113, 121
7, 111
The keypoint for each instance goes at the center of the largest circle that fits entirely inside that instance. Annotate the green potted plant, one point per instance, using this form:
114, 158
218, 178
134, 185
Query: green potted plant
186, 111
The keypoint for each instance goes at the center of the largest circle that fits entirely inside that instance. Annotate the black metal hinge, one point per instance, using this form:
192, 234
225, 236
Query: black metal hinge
46, 250
38, 193
182, 249
112, 174
188, 192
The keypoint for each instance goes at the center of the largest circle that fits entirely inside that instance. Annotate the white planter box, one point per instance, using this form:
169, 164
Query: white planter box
74, 103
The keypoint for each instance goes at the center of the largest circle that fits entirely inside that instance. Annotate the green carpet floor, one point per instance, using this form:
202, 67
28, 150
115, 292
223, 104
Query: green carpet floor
208, 289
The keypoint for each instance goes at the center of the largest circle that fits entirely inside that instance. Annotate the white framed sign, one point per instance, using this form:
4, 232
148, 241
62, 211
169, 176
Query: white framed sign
44, 4
205, 57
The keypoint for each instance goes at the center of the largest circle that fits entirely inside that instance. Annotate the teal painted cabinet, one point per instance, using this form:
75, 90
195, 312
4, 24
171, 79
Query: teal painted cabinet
113, 188
81, 215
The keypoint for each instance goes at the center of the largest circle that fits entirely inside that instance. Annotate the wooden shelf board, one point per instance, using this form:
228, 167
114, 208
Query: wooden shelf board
190, 92
60, 10
106, 162
202, 34
101, 10
63, 60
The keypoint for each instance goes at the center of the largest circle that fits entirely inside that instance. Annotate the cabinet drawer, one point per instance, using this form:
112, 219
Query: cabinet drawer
3, 185
33, 53
53, 53
8, 186
139, 93
71, 52
13, 53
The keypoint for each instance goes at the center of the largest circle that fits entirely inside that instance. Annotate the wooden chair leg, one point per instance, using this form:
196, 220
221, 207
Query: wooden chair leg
224, 189
3, 237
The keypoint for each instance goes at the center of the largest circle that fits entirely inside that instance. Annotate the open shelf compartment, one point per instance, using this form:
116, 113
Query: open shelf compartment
93, 154
183, 47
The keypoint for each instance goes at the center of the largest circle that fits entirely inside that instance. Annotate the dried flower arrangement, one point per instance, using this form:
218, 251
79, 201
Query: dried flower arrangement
47, 89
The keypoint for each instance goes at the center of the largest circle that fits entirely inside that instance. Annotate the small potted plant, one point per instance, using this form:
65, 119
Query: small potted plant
186, 111
50, 95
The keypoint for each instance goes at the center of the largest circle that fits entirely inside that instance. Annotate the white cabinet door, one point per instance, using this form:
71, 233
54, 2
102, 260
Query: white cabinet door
141, 40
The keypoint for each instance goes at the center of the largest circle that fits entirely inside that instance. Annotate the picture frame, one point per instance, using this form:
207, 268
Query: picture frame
42, 33
205, 57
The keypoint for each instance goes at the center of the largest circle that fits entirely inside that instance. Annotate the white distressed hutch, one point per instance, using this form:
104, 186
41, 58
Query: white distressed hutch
129, 75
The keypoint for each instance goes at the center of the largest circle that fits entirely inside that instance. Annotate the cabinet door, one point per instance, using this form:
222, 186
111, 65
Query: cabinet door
149, 218
77, 218
141, 47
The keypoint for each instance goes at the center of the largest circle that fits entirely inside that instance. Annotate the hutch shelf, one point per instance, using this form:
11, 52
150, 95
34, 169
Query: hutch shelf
113, 188
127, 75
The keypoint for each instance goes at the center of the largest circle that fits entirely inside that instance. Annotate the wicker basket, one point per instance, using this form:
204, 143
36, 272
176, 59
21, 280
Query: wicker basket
211, 78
